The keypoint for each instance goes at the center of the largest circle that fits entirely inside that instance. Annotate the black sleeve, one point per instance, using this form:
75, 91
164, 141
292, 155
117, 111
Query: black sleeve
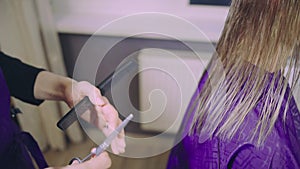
20, 78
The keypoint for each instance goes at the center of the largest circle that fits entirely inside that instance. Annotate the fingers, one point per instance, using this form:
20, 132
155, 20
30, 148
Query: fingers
118, 145
104, 115
83, 88
103, 161
75, 162
93, 151
96, 98
109, 124
121, 140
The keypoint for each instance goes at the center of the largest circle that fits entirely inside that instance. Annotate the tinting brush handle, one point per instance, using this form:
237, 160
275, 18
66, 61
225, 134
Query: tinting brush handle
85, 104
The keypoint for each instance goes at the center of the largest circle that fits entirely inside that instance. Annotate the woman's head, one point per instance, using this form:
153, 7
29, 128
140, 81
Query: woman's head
260, 40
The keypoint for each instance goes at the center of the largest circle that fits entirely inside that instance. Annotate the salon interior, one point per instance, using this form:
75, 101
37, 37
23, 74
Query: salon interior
153, 51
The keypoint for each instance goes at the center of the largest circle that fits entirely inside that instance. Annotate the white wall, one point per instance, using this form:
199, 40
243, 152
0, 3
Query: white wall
86, 16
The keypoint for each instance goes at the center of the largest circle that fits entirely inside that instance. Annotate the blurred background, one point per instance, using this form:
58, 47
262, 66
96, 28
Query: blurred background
52, 33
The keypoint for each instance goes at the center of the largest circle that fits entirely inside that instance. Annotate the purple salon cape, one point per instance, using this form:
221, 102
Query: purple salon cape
281, 148
15, 146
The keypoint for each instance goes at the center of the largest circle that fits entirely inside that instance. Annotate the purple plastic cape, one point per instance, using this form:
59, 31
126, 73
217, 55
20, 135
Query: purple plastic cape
15, 145
280, 150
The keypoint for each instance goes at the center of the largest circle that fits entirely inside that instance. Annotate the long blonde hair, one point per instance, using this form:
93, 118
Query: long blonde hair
259, 44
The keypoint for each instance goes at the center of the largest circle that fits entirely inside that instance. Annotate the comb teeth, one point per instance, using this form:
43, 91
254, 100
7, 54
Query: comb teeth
84, 105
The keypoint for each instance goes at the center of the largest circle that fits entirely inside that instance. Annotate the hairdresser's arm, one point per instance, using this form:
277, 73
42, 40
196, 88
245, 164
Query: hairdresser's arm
20, 78
49, 86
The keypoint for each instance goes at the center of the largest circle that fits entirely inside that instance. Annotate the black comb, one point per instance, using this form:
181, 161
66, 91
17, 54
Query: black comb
85, 104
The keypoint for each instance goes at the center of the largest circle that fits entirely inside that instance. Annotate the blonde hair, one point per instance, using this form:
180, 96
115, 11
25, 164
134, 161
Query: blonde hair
259, 44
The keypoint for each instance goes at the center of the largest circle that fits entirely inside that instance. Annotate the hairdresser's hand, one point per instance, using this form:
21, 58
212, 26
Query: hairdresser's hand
104, 115
99, 162
49, 86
